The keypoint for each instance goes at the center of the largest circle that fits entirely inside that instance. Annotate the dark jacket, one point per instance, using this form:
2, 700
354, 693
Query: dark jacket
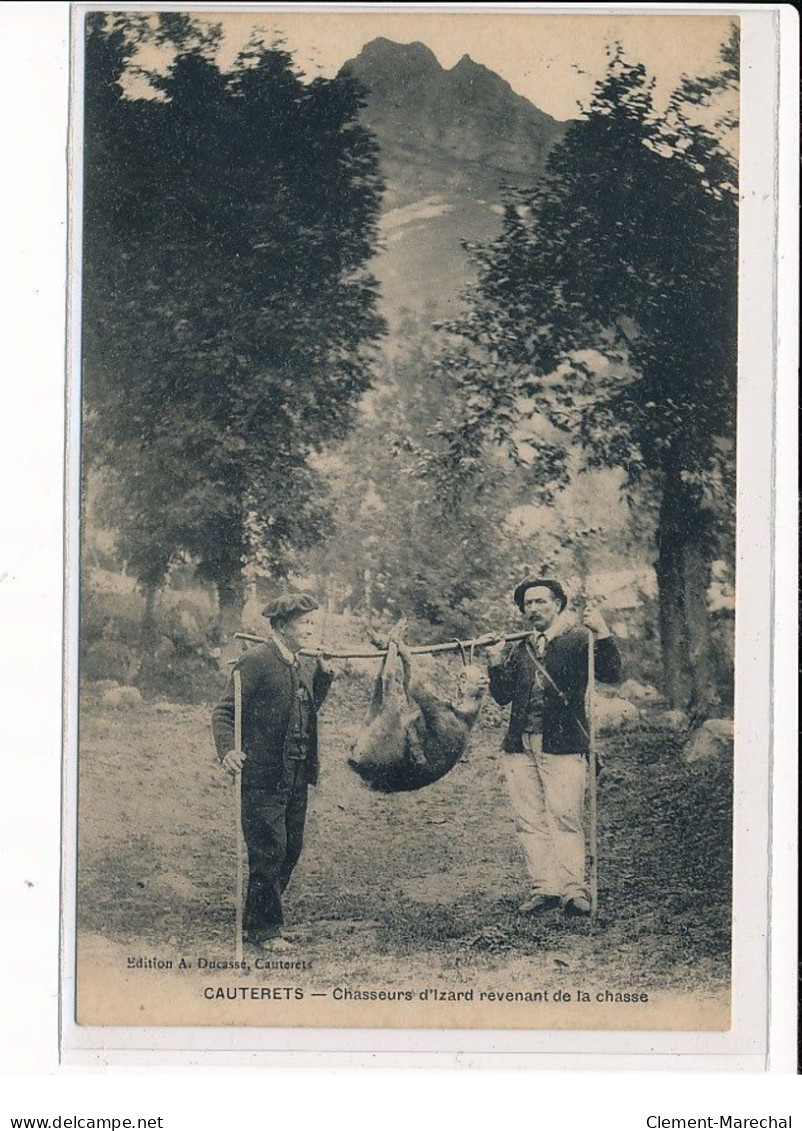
565, 721
269, 687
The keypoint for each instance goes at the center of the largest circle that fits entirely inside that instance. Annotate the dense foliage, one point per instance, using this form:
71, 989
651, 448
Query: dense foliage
228, 313
604, 320
398, 544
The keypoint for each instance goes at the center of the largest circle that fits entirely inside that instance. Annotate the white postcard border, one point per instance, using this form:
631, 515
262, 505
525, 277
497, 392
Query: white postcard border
745, 1046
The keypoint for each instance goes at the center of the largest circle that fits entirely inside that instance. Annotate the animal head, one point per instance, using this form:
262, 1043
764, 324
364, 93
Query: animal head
472, 681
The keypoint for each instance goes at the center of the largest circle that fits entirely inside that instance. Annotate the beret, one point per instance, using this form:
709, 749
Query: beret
540, 582
289, 605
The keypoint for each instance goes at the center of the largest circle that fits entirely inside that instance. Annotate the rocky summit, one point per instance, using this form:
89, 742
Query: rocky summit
467, 112
449, 140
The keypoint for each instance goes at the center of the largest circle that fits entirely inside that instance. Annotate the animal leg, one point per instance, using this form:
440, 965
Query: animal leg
406, 667
388, 669
398, 631
378, 695
412, 713
376, 701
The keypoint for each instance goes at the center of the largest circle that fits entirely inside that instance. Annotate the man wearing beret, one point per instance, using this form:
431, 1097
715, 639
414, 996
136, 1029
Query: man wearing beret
281, 694
545, 679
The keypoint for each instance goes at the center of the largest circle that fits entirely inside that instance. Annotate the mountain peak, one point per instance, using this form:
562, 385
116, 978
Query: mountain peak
466, 113
382, 52
467, 63
447, 137
468, 74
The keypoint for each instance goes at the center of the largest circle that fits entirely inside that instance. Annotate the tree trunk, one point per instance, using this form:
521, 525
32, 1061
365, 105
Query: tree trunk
683, 576
696, 576
224, 571
148, 626
231, 600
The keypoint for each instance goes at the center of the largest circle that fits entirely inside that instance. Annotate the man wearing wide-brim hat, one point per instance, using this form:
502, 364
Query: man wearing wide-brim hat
544, 678
281, 694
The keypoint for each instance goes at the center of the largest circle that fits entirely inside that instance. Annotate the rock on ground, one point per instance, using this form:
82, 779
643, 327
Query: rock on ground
673, 720
641, 694
122, 697
713, 740
612, 714
101, 686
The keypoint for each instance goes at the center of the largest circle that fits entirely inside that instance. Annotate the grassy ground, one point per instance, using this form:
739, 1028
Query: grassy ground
427, 882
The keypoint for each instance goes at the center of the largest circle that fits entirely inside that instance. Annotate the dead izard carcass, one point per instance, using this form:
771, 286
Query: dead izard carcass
411, 737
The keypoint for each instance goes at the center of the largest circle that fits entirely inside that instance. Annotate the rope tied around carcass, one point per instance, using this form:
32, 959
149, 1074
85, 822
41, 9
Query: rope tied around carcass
466, 657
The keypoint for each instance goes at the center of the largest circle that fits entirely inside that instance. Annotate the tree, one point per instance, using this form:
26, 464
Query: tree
605, 315
229, 318
405, 541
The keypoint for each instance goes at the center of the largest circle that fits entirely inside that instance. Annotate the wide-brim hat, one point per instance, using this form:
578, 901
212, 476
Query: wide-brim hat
289, 605
540, 583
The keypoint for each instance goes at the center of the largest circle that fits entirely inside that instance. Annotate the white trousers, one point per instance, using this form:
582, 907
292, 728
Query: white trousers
547, 795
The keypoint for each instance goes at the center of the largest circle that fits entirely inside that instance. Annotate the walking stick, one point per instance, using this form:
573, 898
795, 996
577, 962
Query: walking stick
238, 811
594, 836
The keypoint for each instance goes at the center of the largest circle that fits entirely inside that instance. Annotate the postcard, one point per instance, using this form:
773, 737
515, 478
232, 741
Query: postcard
414, 603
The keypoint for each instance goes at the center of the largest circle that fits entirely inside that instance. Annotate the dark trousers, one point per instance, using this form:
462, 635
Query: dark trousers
273, 828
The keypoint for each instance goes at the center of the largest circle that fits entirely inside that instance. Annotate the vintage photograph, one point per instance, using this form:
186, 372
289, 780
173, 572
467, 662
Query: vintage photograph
407, 379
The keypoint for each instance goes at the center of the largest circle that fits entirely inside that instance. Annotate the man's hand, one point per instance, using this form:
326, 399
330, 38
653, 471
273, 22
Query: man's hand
494, 646
324, 665
596, 623
233, 762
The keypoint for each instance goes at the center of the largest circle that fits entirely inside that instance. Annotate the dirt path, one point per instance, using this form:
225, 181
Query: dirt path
424, 884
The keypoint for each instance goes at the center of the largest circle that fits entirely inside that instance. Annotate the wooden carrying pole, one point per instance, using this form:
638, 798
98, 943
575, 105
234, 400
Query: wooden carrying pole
238, 811
415, 650
592, 795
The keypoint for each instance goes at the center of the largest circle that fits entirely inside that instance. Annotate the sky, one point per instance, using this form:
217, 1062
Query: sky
553, 60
